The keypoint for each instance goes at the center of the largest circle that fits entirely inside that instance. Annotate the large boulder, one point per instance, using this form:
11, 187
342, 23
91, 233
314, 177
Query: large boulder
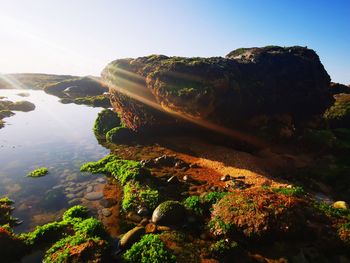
159, 91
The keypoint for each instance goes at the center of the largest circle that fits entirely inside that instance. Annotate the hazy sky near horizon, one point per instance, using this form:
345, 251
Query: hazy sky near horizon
79, 37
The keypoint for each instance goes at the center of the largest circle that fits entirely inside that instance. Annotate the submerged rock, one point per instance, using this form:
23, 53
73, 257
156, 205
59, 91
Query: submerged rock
93, 196
248, 82
169, 213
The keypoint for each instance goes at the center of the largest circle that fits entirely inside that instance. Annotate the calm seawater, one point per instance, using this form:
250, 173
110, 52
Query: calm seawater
57, 136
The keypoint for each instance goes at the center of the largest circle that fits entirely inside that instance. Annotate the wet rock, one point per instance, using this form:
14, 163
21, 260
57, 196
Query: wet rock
90, 188
169, 213
100, 180
132, 236
72, 177
340, 205
75, 201
163, 228
70, 196
23, 94
22, 106
93, 196
225, 178
107, 203
143, 211
106, 212
80, 194
69, 189
194, 165
132, 216
144, 222
60, 186
187, 178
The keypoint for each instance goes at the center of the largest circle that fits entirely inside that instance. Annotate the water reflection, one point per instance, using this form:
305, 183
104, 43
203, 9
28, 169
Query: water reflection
59, 137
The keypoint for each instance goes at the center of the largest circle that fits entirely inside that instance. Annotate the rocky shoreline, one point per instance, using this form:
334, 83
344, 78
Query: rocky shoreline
274, 189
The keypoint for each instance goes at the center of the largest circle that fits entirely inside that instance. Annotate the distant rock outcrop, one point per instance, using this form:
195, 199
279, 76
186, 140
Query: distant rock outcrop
76, 88
225, 91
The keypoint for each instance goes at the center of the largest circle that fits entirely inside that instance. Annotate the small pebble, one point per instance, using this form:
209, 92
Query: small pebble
106, 212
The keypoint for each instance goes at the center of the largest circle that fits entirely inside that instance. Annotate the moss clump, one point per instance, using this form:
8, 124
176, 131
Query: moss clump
105, 121
77, 248
201, 205
119, 135
294, 191
194, 204
122, 170
94, 101
136, 195
45, 233
338, 115
223, 247
253, 214
74, 213
150, 249
128, 173
38, 172
6, 218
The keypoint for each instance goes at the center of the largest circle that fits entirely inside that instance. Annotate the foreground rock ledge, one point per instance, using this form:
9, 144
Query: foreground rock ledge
248, 82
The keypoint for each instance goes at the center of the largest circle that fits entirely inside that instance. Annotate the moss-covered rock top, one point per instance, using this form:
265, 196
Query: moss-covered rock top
271, 80
42, 171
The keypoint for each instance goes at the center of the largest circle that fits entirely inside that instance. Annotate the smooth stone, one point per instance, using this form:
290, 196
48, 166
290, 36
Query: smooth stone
69, 189
107, 203
144, 222
132, 216
340, 205
132, 236
169, 213
72, 177
143, 211
70, 196
80, 194
93, 196
59, 186
100, 180
74, 201
89, 189
106, 212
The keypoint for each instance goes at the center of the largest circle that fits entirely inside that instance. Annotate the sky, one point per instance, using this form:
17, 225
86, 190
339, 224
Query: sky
79, 37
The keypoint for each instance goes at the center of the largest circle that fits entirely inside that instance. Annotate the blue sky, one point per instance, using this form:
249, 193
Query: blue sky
81, 36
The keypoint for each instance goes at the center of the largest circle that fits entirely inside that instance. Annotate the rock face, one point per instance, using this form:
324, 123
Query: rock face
225, 91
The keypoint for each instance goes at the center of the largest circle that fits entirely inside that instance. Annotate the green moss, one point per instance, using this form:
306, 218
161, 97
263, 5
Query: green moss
331, 211
90, 227
201, 205
95, 101
339, 114
74, 213
6, 201
122, 170
136, 195
223, 247
38, 172
119, 135
105, 121
150, 249
295, 191
194, 204
60, 251
45, 233
213, 197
